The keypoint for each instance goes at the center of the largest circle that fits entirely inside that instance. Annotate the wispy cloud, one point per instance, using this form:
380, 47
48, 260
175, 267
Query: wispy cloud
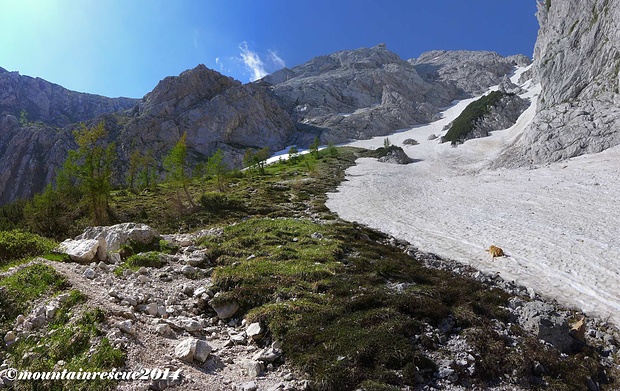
252, 62
196, 37
276, 60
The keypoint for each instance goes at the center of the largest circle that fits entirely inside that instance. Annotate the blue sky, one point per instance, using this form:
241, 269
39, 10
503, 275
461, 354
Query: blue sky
124, 47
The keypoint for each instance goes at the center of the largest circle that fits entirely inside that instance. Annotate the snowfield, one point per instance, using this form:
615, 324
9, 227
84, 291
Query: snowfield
558, 224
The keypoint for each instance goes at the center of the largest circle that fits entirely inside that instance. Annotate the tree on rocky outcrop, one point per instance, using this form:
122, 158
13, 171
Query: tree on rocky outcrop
90, 169
293, 154
176, 164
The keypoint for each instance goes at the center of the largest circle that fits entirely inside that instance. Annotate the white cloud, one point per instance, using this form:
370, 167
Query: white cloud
276, 60
196, 38
252, 62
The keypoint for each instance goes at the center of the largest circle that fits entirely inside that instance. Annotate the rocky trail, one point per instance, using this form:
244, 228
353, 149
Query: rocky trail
161, 318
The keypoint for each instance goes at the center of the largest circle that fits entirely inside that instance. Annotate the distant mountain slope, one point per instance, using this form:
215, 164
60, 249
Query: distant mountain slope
473, 72
50, 103
215, 111
577, 61
369, 92
346, 95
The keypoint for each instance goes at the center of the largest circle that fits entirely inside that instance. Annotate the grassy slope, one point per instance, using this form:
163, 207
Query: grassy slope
324, 287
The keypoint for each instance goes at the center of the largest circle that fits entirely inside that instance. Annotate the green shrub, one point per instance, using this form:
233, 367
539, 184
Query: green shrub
135, 262
17, 244
217, 202
149, 259
18, 289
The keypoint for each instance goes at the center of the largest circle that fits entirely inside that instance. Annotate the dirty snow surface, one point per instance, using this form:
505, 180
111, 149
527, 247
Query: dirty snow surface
559, 224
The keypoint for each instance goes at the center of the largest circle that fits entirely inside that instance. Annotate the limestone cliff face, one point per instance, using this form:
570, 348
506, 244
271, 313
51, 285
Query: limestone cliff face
371, 91
472, 72
50, 103
577, 62
215, 111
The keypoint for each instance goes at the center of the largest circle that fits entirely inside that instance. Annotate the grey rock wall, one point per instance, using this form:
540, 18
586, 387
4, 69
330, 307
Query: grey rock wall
577, 62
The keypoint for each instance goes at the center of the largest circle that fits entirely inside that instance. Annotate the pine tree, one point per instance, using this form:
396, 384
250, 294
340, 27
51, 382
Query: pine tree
176, 163
89, 169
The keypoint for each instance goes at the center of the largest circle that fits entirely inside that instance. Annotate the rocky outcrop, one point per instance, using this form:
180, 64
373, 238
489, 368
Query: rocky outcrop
396, 155
50, 103
357, 94
495, 111
502, 115
577, 62
472, 72
371, 91
215, 111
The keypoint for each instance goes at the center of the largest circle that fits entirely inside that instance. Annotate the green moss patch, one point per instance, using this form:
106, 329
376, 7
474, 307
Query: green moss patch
18, 244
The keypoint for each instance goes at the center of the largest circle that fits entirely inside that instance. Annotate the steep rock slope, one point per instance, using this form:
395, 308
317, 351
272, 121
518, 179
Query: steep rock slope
50, 103
577, 62
472, 72
214, 110
370, 92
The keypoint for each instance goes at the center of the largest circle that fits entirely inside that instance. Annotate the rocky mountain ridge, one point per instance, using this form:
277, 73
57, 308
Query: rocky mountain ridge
50, 103
215, 111
350, 94
369, 92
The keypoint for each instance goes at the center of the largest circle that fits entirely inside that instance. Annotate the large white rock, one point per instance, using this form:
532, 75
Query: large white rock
81, 250
116, 236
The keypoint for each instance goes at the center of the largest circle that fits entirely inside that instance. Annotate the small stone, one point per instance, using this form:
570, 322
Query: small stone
20, 319
238, 339
126, 326
317, 235
251, 368
226, 310
89, 273
10, 337
191, 326
255, 331
267, 355
444, 372
199, 291
151, 309
249, 386
142, 279
188, 270
164, 329
50, 311
432, 136
203, 349
185, 350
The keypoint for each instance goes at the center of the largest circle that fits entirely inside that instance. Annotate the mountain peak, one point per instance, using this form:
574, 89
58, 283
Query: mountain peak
192, 85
